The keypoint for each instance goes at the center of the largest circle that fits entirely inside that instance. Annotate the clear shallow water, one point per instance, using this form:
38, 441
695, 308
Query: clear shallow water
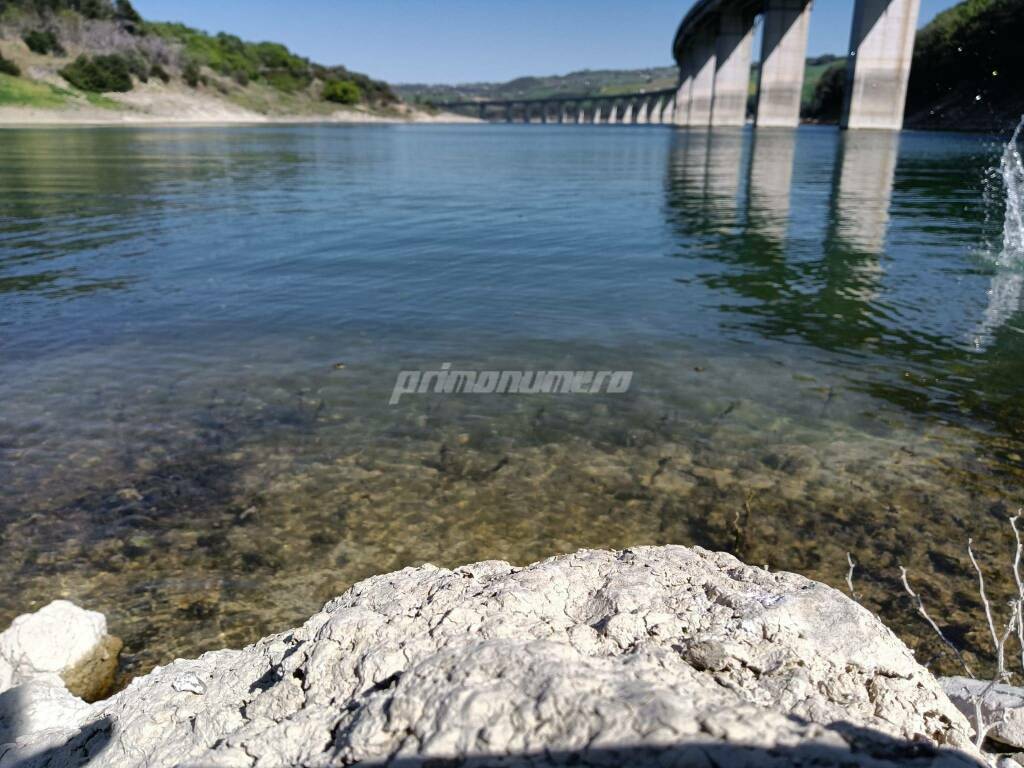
827, 359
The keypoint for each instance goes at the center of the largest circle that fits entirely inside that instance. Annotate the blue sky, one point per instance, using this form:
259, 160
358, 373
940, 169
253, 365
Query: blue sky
454, 41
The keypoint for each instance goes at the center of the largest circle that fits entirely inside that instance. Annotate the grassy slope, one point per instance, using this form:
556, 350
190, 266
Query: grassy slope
22, 92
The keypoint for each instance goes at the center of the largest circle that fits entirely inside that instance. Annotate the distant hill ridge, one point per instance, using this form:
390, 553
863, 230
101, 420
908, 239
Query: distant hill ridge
585, 82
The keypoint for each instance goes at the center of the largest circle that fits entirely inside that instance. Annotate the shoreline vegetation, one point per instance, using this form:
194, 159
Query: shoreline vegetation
98, 62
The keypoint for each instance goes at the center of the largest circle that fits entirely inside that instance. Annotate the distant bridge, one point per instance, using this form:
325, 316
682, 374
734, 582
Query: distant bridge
713, 50
643, 108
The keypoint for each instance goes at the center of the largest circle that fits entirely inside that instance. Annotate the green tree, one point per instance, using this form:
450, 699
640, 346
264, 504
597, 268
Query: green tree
125, 11
99, 74
43, 42
342, 92
191, 74
827, 102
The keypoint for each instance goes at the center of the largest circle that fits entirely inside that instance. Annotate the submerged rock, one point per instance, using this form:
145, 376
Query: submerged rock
60, 640
655, 655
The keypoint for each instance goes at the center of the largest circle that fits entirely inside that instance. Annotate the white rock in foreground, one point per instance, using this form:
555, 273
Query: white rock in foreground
38, 705
652, 656
62, 641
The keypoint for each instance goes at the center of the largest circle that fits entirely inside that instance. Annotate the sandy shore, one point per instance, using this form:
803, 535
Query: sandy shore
154, 104
14, 117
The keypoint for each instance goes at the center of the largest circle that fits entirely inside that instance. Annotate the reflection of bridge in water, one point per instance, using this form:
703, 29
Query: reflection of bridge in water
643, 108
797, 268
745, 179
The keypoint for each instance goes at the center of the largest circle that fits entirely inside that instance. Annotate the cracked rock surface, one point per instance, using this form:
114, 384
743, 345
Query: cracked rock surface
654, 655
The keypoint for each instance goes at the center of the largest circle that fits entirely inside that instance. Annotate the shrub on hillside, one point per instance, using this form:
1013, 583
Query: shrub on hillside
373, 91
43, 42
125, 11
121, 11
137, 65
342, 92
231, 56
191, 74
99, 74
159, 73
8, 67
94, 9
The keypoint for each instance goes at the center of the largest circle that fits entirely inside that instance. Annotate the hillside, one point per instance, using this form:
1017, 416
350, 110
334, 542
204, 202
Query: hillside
99, 60
587, 82
966, 64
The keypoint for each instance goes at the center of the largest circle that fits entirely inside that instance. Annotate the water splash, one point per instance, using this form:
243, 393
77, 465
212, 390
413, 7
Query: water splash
1004, 293
1011, 168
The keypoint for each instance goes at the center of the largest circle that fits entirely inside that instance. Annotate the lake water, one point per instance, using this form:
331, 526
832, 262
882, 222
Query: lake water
200, 330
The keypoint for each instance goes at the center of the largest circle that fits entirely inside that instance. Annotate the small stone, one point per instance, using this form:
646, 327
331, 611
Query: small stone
189, 683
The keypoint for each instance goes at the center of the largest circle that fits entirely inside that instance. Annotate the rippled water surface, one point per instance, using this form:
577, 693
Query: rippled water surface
200, 330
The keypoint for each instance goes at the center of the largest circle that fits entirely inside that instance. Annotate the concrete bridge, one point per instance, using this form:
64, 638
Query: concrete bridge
713, 49
642, 108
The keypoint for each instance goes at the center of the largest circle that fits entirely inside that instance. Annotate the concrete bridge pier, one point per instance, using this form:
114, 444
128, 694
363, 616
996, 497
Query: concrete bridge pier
668, 114
702, 88
627, 116
643, 112
654, 116
682, 101
784, 51
733, 50
597, 113
613, 115
881, 48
